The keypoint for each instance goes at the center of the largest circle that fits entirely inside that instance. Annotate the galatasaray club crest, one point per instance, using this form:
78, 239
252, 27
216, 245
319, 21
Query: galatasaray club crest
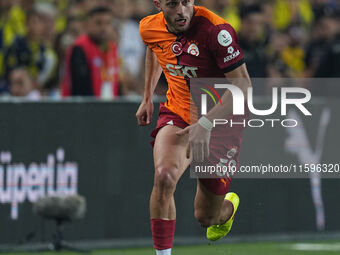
193, 50
177, 48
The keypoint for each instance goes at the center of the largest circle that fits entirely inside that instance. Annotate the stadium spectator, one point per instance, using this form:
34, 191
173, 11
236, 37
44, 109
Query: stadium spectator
91, 4
26, 5
131, 47
294, 38
330, 63
49, 16
32, 51
268, 15
76, 8
230, 11
61, 16
322, 7
143, 8
12, 23
74, 28
277, 67
12, 19
324, 31
286, 55
92, 62
292, 12
253, 40
22, 84
210, 4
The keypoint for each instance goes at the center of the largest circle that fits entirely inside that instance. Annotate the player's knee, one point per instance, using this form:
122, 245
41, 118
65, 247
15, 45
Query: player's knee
203, 218
165, 179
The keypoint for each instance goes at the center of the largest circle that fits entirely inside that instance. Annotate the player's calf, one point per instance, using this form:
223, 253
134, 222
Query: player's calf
204, 219
162, 215
208, 217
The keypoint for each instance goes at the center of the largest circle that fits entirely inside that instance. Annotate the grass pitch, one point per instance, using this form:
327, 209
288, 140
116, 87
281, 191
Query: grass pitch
282, 248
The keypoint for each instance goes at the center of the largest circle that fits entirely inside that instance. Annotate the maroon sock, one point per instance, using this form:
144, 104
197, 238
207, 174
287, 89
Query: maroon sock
163, 232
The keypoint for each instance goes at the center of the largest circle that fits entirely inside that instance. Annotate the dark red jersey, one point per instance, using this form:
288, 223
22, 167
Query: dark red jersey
209, 48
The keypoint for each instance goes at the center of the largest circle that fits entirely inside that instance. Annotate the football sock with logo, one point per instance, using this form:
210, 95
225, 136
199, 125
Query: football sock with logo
163, 232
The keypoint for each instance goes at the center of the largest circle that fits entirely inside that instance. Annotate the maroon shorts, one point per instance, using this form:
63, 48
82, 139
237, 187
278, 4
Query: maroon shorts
224, 147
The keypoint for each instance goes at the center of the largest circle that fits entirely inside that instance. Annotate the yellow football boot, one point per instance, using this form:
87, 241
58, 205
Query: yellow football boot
216, 232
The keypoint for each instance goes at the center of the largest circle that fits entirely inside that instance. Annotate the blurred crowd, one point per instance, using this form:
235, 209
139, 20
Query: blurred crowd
62, 48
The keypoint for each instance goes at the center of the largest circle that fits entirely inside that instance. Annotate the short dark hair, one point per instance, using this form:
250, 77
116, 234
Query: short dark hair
248, 10
99, 10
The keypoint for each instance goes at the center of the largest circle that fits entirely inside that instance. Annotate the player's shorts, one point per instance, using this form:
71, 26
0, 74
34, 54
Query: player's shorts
224, 147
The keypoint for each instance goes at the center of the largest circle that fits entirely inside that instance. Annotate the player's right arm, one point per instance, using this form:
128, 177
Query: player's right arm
153, 71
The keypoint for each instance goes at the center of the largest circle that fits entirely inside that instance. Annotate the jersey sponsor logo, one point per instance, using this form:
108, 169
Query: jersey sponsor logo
231, 50
193, 50
183, 71
224, 38
232, 56
177, 48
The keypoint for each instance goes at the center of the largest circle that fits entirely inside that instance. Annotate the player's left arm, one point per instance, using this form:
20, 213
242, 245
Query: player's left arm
229, 57
238, 77
199, 138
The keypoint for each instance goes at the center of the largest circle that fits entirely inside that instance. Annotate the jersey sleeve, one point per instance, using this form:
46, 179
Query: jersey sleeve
224, 44
142, 31
145, 31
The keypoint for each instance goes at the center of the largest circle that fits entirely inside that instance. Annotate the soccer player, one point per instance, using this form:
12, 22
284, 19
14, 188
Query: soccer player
186, 41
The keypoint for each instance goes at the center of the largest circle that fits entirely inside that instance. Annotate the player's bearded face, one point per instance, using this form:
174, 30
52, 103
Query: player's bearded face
178, 14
